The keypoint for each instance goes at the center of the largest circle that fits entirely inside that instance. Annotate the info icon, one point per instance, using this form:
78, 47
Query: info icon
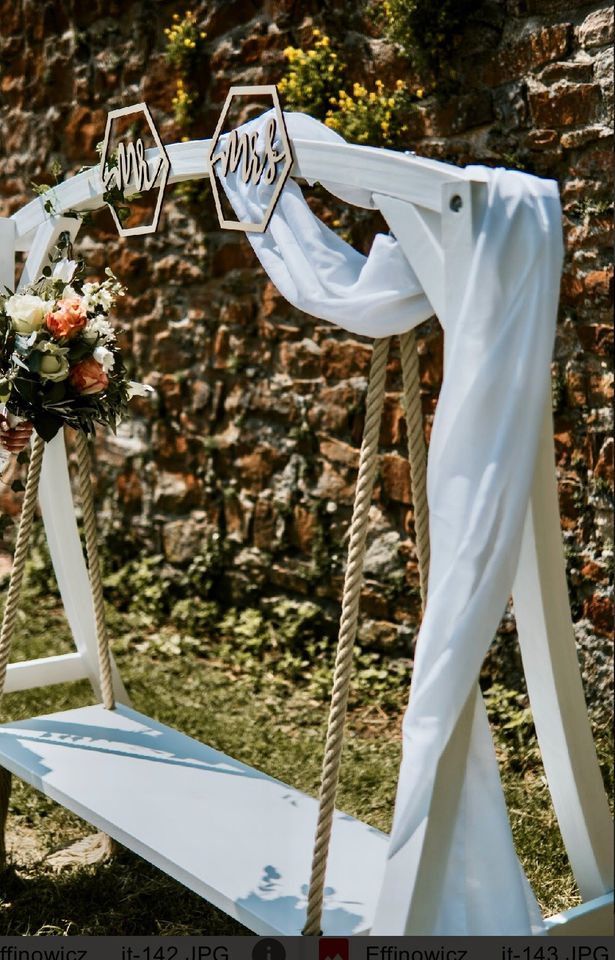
268, 949
333, 948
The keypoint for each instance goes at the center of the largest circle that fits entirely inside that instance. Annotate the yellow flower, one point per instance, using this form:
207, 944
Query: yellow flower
315, 32
420, 92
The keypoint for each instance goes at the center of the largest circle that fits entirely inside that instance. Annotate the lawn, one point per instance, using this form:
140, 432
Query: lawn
256, 715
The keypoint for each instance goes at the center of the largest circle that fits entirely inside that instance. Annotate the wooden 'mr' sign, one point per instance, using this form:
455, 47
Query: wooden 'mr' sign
126, 170
258, 157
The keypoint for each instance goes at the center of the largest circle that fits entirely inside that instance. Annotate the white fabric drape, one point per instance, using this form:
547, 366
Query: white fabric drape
314, 268
484, 439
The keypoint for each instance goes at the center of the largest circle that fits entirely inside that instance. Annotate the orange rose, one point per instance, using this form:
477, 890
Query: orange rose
88, 377
68, 318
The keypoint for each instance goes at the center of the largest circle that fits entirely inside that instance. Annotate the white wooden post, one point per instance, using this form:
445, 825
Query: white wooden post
61, 528
546, 636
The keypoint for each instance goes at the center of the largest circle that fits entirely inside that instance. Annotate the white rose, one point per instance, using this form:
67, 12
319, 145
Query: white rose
104, 357
54, 364
26, 312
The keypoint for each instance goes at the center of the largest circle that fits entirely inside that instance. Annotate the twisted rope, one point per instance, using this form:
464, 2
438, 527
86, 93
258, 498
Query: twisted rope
91, 546
417, 453
21, 552
347, 633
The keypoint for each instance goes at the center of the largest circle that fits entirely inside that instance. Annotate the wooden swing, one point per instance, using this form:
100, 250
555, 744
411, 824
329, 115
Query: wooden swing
179, 803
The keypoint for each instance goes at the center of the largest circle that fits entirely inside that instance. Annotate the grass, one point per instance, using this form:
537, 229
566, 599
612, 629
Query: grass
263, 721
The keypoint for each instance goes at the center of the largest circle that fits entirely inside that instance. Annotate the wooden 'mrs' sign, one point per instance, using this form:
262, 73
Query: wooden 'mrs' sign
262, 156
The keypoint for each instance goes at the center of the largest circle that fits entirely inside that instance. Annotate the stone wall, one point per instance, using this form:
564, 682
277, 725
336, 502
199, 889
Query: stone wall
253, 438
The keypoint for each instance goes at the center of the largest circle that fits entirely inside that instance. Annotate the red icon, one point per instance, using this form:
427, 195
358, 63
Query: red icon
333, 948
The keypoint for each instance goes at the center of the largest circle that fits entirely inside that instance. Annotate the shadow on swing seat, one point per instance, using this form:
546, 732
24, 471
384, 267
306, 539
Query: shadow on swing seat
237, 837
177, 802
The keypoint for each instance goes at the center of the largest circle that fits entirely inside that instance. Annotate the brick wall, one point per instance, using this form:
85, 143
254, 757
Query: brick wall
254, 434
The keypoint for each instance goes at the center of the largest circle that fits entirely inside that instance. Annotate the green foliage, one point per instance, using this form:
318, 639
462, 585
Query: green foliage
428, 32
378, 117
314, 84
184, 42
313, 77
183, 52
511, 717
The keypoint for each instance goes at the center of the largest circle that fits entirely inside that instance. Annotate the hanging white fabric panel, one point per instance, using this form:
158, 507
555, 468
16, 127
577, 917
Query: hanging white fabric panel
484, 439
314, 268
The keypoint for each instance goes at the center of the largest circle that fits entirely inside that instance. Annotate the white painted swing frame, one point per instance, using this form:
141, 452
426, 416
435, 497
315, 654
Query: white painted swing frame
415, 197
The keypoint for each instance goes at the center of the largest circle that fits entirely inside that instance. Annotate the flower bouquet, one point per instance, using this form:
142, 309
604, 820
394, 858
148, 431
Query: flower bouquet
59, 360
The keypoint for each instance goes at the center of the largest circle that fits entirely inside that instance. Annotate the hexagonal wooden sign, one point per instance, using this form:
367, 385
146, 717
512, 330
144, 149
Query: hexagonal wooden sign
127, 167
260, 156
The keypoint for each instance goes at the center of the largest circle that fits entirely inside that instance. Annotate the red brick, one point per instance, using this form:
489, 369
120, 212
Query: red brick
598, 284
82, 131
171, 392
130, 491
264, 524
300, 359
344, 359
303, 528
565, 104
517, 59
339, 452
256, 467
395, 473
231, 256
599, 609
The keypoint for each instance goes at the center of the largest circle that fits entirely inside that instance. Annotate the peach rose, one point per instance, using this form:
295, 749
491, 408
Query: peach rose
88, 377
68, 318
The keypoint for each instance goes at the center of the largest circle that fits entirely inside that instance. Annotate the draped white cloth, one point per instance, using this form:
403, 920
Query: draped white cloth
484, 439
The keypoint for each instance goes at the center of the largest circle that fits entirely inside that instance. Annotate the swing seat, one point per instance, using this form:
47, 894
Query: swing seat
237, 837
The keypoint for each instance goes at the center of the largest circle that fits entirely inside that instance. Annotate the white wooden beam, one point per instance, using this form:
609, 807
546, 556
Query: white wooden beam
45, 672
418, 231
56, 501
8, 237
66, 551
594, 918
546, 636
410, 178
